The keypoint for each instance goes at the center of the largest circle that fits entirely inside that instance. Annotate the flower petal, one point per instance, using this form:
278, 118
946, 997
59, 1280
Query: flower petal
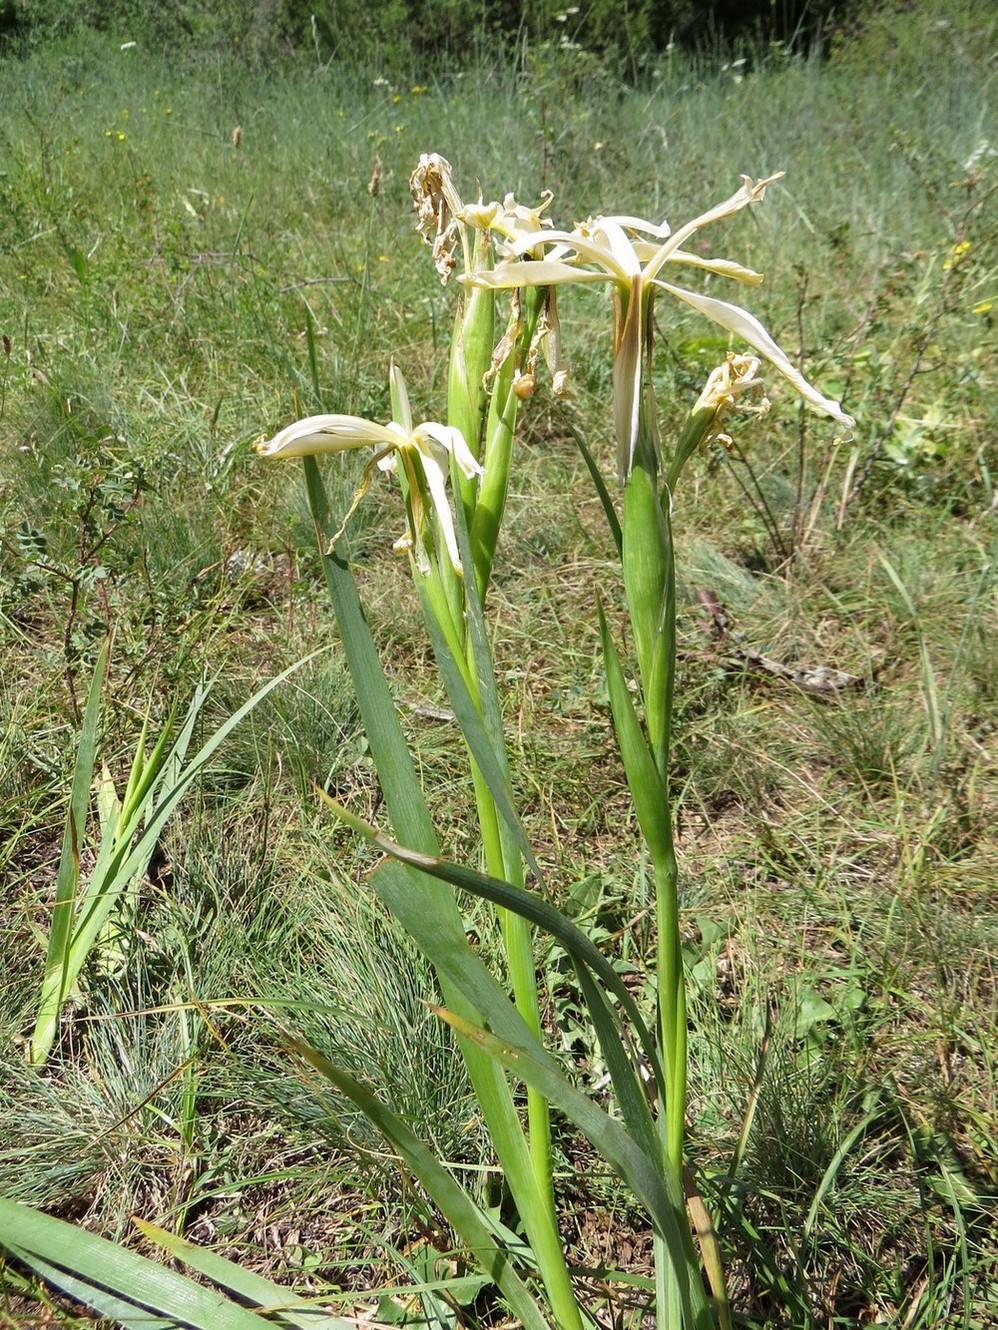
750, 192
451, 438
533, 272
723, 267
662, 232
749, 329
620, 245
436, 483
325, 434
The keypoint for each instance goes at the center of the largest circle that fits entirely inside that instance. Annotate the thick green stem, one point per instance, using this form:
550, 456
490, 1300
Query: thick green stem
504, 861
650, 588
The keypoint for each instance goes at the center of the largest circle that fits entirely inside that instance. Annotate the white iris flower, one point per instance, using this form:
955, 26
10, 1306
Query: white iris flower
618, 250
425, 451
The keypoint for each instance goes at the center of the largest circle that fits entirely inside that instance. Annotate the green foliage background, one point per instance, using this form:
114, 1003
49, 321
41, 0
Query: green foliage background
401, 30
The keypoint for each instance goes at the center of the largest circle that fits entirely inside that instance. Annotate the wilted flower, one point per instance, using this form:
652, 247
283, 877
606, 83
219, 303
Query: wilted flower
439, 209
424, 450
617, 250
733, 385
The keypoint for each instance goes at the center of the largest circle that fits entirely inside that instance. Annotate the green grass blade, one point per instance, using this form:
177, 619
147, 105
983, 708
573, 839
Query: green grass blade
403, 795
122, 859
873, 1108
142, 780
930, 691
461, 1212
64, 1255
280, 1304
103, 896
57, 981
129, 860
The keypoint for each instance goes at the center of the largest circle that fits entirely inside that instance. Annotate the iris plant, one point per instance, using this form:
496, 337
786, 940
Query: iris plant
507, 247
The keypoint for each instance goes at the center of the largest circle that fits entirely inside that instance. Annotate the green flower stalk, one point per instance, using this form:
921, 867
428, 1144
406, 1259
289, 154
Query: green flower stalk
485, 385
633, 254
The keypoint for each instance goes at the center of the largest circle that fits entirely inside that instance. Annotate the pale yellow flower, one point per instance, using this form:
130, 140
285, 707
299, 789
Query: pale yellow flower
618, 250
425, 451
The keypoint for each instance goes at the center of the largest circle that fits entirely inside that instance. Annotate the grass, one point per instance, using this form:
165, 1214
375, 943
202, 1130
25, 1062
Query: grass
157, 284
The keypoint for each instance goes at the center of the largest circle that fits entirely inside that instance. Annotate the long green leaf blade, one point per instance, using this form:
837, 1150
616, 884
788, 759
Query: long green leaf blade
431, 917
68, 1253
403, 795
124, 1314
457, 1206
477, 739
528, 904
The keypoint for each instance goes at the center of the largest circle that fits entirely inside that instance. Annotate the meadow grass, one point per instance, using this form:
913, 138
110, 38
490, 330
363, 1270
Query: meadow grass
164, 284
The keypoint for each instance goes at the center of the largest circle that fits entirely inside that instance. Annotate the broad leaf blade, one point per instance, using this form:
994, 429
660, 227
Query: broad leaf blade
123, 1313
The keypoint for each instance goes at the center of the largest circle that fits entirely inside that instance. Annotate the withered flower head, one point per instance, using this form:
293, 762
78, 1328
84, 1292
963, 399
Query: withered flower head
439, 210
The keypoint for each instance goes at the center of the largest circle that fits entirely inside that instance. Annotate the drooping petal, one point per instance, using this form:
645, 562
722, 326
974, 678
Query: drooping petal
436, 483
533, 272
750, 330
325, 434
587, 245
451, 438
751, 192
